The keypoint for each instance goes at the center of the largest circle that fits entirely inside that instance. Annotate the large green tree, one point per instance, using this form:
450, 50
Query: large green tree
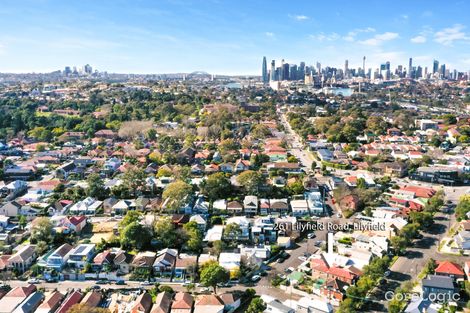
134, 179
167, 235
96, 187
216, 186
251, 181
135, 236
214, 274
194, 235
176, 195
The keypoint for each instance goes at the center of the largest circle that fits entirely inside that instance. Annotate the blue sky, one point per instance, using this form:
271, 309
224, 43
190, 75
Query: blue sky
229, 37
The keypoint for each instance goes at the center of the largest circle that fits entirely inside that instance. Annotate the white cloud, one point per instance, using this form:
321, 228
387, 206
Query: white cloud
269, 34
418, 39
447, 36
351, 36
325, 37
299, 17
379, 39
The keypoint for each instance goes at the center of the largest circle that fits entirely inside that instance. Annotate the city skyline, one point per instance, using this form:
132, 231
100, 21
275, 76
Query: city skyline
224, 38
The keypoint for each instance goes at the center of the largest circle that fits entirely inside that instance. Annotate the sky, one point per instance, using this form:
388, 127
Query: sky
230, 36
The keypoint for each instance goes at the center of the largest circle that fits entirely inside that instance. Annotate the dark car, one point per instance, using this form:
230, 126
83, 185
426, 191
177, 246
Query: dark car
120, 282
102, 282
280, 260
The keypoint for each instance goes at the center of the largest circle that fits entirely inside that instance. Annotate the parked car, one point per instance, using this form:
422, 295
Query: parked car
311, 236
146, 283
95, 287
34, 281
302, 258
101, 282
255, 278
280, 260
387, 273
120, 282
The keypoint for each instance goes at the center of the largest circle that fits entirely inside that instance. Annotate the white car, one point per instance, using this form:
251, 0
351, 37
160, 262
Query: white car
311, 235
145, 283
302, 258
34, 281
255, 278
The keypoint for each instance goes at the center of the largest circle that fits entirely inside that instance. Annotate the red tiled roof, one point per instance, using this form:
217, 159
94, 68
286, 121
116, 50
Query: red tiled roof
421, 192
451, 268
21, 291
340, 272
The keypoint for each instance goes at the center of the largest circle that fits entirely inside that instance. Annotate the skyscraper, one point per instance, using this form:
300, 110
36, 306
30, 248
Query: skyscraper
264, 71
435, 67
346, 69
364, 64
410, 68
273, 70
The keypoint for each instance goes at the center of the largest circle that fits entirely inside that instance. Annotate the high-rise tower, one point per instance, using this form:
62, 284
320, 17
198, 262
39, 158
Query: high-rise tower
364, 65
410, 68
273, 70
264, 71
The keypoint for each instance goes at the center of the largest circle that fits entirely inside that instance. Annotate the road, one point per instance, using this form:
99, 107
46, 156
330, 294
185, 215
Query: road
296, 146
262, 287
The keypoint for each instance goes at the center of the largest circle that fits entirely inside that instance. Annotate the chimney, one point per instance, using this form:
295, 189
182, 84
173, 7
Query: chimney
330, 242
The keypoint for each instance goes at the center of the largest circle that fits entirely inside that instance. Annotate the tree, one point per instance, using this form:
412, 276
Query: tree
232, 231
399, 243
218, 246
463, 207
194, 235
135, 236
42, 230
214, 274
151, 134
361, 183
166, 234
260, 131
257, 305
129, 218
251, 181
134, 179
295, 188
22, 222
96, 187
216, 186
176, 195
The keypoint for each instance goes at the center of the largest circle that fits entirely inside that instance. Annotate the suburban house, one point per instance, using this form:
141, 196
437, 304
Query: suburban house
183, 303
23, 258
51, 302
185, 267
449, 269
231, 301
142, 304
81, 255
209, 304
56, 259
162, 303
440, 287
164, 263
88, 206
15, 297
250, 204
73, 298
